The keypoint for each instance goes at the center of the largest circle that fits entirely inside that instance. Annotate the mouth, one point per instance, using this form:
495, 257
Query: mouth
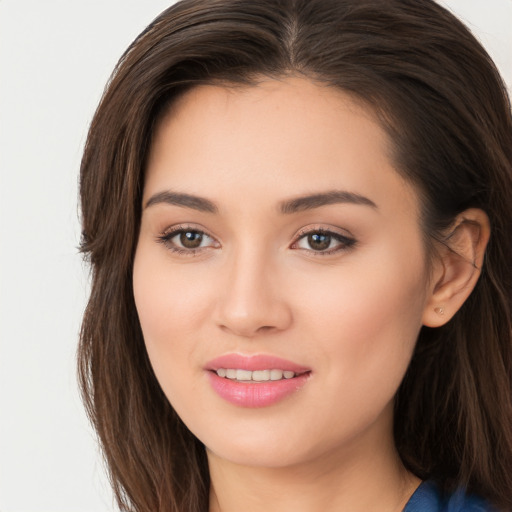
246, 376
255, 380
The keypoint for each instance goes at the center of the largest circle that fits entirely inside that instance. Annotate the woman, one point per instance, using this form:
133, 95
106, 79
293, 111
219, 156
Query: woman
298, 219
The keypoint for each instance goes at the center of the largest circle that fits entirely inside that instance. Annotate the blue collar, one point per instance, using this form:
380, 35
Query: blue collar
428, 498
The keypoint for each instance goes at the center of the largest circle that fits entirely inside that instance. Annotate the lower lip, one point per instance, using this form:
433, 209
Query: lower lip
256, 394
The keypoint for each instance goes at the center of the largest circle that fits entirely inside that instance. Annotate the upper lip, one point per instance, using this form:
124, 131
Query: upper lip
254, 362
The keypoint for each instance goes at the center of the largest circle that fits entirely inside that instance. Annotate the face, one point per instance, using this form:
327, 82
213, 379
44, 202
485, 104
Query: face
280, 275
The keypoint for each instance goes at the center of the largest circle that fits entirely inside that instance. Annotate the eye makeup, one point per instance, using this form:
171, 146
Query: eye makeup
321, 241
189, 240
186, 240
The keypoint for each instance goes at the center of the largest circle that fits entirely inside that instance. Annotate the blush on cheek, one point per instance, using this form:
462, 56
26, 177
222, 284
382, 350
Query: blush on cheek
380, 322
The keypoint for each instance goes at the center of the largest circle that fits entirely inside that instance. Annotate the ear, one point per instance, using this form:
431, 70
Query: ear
457, 267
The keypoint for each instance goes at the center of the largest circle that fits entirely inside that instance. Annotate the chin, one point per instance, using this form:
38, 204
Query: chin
270, 456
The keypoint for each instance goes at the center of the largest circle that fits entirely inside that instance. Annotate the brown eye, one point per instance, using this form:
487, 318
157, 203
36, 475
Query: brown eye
323, 242
187, 241
319, 241
191, 239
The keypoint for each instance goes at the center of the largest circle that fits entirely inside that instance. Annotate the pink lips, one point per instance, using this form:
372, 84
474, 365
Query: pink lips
255, 394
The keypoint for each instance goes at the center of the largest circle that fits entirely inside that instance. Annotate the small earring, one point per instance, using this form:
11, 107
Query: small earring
439, 310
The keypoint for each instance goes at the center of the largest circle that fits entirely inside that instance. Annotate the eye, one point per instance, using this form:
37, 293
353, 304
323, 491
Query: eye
323, 241
186, 240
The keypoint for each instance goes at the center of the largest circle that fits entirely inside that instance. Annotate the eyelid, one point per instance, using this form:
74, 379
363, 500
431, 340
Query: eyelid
346, 239
322, 228
170, 232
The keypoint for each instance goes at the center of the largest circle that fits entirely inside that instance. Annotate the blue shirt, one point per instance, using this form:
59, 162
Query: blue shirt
427, 498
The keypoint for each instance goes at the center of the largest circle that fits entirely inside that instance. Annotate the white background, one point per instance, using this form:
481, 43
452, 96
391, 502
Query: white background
55, 57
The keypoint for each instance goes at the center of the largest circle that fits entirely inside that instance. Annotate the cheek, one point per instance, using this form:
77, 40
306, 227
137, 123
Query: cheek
170, 306
168, 297
369, 315
384, 307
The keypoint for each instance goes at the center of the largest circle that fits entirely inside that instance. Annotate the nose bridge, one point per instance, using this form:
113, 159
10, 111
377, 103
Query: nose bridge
251, 300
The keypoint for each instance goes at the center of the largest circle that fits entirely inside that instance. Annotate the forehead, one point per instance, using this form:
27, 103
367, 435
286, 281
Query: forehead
253, 111
278, 138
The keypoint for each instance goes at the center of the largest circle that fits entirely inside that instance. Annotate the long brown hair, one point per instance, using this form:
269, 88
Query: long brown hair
442, 102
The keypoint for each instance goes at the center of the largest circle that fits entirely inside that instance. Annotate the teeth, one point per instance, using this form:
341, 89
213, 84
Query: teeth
260, 375
255, 376
276, 374
243, 375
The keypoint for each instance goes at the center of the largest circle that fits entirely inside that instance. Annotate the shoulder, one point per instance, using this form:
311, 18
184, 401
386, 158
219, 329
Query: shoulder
427, 498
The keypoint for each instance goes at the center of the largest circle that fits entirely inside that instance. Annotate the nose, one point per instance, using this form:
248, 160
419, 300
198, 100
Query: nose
252, 300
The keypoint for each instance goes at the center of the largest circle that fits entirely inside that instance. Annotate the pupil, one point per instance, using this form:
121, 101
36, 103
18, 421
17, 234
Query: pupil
319, 242
191, 239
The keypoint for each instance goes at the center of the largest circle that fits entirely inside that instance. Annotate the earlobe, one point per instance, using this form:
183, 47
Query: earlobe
458, 266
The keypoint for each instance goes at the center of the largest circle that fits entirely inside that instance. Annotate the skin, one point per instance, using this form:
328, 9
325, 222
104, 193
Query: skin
256, 286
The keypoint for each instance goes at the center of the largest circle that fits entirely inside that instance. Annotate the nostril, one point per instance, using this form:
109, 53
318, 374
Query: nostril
265, 328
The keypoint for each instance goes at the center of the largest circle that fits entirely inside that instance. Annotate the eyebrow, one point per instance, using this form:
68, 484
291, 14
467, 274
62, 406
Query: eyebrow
186, 200
309, 202
295, 205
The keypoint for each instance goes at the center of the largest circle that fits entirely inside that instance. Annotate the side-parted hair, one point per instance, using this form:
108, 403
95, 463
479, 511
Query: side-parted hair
445, 108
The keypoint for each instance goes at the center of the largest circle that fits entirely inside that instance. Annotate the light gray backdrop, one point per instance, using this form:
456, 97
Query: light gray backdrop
55, 57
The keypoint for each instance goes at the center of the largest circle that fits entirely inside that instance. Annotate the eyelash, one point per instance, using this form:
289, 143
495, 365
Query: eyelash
166, 237
344, 242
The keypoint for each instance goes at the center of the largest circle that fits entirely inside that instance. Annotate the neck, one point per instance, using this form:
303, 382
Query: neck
362, 478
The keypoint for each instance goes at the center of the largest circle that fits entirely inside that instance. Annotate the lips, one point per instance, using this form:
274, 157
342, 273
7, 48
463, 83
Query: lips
255, 381
254, 363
